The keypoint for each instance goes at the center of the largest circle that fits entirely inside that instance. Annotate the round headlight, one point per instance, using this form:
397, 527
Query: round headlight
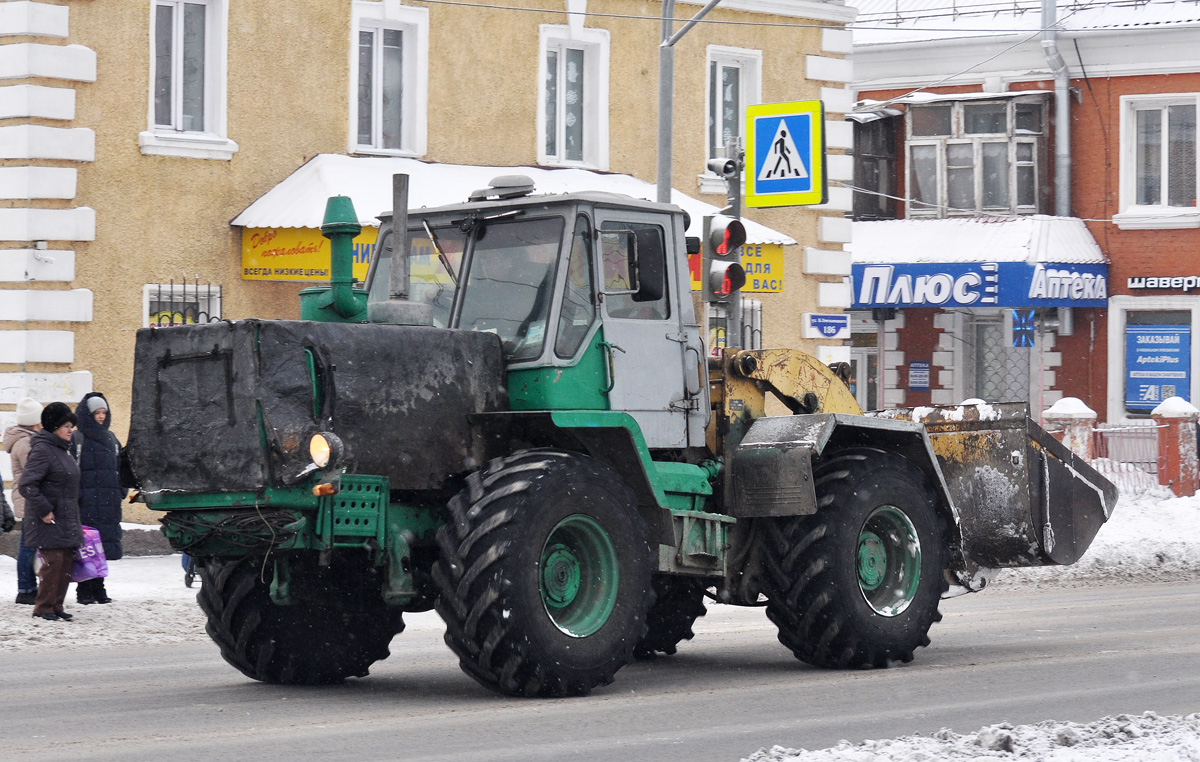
325, 449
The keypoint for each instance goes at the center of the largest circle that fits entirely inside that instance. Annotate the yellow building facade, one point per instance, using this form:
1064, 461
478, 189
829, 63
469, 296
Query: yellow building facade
133, 132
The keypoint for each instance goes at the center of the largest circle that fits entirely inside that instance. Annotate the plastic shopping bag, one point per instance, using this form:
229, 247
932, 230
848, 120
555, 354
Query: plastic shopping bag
90, 561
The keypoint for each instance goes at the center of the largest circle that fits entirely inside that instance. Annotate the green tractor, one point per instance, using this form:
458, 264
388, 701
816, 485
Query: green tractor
517, 423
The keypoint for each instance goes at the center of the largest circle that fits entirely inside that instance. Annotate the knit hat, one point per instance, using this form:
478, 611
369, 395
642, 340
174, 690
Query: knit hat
29, 411
96, 403
56, 414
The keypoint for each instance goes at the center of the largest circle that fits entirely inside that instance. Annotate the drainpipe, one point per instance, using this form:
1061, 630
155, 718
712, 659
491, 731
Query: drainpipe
1062, 110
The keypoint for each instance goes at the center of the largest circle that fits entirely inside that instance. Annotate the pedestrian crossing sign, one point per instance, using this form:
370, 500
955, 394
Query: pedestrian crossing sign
787, 144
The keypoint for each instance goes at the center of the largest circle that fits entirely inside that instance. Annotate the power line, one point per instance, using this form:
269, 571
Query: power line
886, 27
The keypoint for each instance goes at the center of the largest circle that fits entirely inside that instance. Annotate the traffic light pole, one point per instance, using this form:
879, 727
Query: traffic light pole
733, 312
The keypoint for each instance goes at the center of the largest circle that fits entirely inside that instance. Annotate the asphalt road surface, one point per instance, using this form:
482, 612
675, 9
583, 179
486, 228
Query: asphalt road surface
998, 656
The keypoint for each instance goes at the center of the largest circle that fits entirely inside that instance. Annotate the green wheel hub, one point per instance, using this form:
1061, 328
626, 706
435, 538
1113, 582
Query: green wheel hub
579, 575
889, 561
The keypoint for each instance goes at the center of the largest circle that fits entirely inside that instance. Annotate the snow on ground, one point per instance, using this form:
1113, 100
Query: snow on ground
1151, 537
1148, 738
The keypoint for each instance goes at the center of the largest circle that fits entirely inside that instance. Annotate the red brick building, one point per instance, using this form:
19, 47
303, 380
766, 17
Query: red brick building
957, 150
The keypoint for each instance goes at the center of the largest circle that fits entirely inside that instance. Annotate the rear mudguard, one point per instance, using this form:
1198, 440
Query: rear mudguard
1012, 495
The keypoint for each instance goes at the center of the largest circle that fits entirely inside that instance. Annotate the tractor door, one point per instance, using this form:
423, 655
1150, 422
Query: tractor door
648, 349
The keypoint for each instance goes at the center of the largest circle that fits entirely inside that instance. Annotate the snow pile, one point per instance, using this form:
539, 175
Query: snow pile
1151, 537
1148, 738
150, 605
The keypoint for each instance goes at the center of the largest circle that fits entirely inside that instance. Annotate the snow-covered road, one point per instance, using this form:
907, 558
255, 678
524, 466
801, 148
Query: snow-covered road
1151, 537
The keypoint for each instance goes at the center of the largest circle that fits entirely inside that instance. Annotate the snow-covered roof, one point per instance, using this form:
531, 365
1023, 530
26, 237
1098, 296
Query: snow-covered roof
1034, 238
882, 22
299, 200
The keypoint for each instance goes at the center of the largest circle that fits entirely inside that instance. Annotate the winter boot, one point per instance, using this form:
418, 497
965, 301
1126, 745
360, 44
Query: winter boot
27, 599
85, 592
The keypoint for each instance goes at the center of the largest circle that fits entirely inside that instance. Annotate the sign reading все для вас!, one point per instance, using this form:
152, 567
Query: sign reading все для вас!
1158, 361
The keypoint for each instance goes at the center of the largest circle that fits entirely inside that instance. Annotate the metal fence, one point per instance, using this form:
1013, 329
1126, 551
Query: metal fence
183, 303
1127, 453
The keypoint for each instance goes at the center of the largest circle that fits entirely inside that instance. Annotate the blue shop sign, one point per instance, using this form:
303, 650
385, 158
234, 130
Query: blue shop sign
1158, 361
980, 284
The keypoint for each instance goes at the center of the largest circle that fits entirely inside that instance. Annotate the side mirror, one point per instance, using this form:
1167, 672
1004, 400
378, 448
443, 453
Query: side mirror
651, 266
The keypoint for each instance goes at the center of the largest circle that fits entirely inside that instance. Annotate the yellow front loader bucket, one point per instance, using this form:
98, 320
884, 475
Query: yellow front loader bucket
1023, 499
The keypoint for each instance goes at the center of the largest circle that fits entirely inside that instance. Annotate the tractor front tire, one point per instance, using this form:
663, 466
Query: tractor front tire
544, 574
679, 602
337, 628
857, 584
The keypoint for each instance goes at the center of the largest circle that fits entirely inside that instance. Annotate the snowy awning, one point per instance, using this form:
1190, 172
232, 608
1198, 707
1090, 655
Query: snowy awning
299, 200
1034, 238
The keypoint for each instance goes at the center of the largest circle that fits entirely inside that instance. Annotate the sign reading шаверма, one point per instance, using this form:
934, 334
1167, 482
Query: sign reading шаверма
1185, 282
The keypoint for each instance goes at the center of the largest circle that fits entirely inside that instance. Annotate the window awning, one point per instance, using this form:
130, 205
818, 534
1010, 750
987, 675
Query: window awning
1034, 261
299, 200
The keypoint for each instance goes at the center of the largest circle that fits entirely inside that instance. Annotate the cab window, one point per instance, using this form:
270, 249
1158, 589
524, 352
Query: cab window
651, 301
578, 309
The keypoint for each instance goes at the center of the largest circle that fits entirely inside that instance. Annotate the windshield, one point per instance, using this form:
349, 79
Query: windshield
511, 282
508, 289
432, 271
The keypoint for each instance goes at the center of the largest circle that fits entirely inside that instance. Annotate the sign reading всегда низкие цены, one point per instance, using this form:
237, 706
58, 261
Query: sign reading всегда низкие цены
980, 284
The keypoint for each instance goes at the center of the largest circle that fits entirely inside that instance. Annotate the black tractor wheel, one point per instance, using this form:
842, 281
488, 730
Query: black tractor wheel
857, 584
679, 602
544, 574
337, 628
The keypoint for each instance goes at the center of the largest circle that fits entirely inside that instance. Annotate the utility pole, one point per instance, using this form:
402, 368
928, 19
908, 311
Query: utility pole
666, 90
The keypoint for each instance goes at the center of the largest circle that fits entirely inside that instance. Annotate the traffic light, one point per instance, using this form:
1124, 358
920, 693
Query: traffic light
725, 168
722, 269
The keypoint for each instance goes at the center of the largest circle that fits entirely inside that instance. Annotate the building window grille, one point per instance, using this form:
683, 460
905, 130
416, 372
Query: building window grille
180, 303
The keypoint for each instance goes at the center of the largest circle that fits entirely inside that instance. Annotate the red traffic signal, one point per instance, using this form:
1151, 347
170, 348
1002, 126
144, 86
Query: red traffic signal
726, 236
724, 278
723, 273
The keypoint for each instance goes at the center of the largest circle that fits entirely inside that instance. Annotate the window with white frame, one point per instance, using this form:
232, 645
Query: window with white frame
180, 303
1158, 162
733, 84
389, 71
187, 80
970, 157
573, 97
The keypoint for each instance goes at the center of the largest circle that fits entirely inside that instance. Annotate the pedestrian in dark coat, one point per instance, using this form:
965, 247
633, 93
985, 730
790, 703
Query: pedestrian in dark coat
16, 443
100, 491
50, 486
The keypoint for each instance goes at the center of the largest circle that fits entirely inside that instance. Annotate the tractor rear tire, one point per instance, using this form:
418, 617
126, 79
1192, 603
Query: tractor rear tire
857, 584
337, 628
544, 577
679, 603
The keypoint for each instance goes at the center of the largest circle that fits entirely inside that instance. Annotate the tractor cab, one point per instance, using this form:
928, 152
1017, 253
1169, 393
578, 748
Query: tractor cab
577, 287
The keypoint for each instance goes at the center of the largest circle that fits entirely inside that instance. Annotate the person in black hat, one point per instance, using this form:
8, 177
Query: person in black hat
100, 490
50, 486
